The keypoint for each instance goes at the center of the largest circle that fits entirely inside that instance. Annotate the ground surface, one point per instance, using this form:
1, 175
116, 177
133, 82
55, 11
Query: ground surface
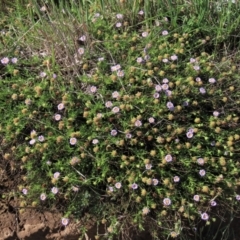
29, 223
33, 224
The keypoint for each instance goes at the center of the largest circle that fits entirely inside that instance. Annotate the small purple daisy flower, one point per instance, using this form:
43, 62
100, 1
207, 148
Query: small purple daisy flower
202, 90
165, 32
213, 203
43, 196
114, 132
189, 134
170, 106
196, 198
134, 186
168, 158
200, 161
202, 172
204, 216
176, 179
212, 80
158, 88
14, 60
138, 123
167, 201
155, 181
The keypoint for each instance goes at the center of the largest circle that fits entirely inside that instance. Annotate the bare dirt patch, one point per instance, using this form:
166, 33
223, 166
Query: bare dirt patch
32, 223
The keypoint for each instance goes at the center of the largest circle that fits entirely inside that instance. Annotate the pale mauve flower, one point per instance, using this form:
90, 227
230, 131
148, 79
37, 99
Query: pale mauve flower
165, 80
168, 93
189, 134
139, 60
168, 158
196, 198
151, 120
196, 67
83, 38
5, 60
174, 57
114, 132
108, 104
200, 161
202, 90
119, 16
60, 106
43, 196
81, 51
115, 109
115, 94
176, 179
192, 60
54, 190
165, 86
116, 67
170, 106
213, 203
118, 185
144, 34
118, 25
120, 73
212, 80
25, 191
43, 74
28, 101
158, 88
155, 181
95, 141
41, 138
73, 141
65, 221
14, 60
128, 135
56, 175
202, 172
93, 89
134, 186
138, 123
167, 201
148, 166
204, 216
165, 32
100, 59
32, 141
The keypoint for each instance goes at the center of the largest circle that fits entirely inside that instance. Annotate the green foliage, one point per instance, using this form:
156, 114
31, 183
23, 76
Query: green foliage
134, 122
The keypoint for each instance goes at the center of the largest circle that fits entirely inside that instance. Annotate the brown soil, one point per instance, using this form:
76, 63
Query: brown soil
27, 223
33, 224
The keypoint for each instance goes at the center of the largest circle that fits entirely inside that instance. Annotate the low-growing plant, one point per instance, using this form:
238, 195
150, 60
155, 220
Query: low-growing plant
139, 127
